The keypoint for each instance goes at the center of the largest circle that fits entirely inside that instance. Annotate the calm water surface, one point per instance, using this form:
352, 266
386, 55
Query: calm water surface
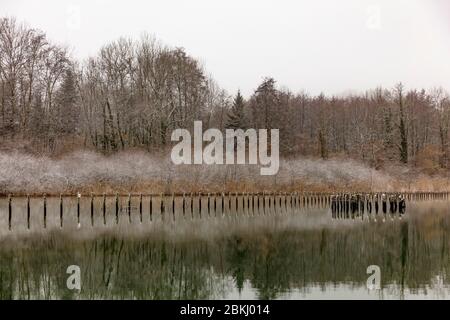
295, 255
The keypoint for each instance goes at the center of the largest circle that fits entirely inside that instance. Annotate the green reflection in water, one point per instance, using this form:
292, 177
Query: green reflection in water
271, 263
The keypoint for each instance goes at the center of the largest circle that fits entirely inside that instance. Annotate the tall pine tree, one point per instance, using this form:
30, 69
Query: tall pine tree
235, 116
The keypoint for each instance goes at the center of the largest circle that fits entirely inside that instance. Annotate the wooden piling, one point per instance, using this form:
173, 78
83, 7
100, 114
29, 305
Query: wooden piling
92, 210
78, 208
9, 212
280, 200
236, 204
117, 208
229, 204
200, 205
162, 207
129, 208
209, 205
104, 209
285, 203
173, 206
61, 214
223, 204
45, 212
28, 212
140, 208
192, 205
184, 205
150, 208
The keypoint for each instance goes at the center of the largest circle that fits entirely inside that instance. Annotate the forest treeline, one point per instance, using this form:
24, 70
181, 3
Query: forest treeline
133, 93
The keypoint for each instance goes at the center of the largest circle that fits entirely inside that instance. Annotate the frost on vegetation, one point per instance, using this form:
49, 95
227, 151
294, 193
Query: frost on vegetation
26, 173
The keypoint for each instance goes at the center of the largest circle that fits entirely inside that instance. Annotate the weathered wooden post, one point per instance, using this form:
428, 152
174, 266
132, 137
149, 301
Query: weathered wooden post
117, 208
173, 206
45, 212
332, 207
264, 203
184, 206
92, 210
243, 202
200, 205
285, 203
209, 205
28, 212
162, 207
60, 211
129, 208
248, 204
9, 212
192, 205
229, 204
150, 207
280, 200
236, 204
296, 201
223, 204
104, 209
140, 208
291, 202
78, 208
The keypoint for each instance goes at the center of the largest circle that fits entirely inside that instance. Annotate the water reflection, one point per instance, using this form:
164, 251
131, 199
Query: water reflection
328, 260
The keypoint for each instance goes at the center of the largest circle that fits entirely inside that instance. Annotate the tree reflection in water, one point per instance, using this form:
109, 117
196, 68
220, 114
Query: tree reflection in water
271, 263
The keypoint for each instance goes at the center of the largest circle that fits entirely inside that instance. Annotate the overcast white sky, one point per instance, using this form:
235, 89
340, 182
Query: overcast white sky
319, 46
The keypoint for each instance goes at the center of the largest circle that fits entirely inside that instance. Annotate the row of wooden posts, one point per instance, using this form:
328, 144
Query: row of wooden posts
357, 204
250, 203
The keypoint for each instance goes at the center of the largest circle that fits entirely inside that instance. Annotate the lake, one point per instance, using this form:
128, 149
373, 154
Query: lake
285, 253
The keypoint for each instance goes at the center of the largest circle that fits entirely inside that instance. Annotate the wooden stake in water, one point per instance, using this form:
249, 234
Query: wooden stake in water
45, 212
28, 212
140, 208
223, 204
184, 206
229, 203
78, 208
9, 212
285, 203
60, 211
209, 205
117, 208
104, 209
92, 210
264, 203
269, 207
200, 204
236, 203
151, 208
258, 203
279, 202
173, 206
192, 205
162, 209
129, 208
